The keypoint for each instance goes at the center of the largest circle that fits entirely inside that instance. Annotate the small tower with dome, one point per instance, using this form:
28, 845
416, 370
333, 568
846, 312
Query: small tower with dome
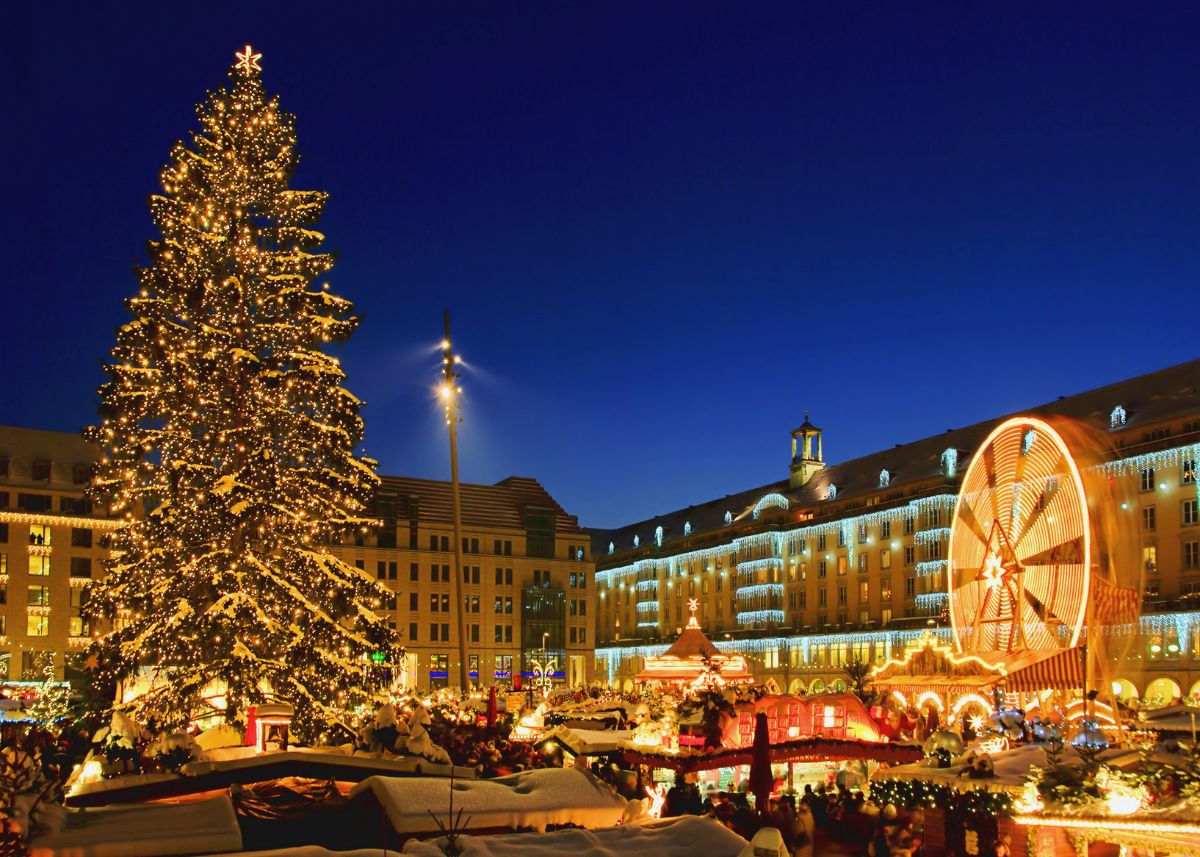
807, 454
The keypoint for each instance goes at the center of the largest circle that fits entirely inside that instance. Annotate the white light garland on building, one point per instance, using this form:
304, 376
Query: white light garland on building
931, 599
760, 617
937, 534
758, 589
51, 520
769, 501
930, 567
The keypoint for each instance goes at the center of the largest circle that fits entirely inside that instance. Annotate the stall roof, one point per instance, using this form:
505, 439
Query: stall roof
799, 750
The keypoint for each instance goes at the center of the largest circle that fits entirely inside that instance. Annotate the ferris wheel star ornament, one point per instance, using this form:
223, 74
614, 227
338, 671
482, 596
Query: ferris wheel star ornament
247, 60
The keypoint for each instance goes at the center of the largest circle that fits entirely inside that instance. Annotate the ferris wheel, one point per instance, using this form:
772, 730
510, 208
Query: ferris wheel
1020, 544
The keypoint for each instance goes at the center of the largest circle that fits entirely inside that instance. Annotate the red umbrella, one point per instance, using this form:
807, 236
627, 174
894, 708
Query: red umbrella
491, 708
762, 781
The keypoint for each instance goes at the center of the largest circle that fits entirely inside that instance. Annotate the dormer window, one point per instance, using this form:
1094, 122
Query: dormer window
728, 517
687, 528
885, 479
950, 462
41, 470
1117, 418
658, 536
831, 493
637, 542
611, 548
769, 501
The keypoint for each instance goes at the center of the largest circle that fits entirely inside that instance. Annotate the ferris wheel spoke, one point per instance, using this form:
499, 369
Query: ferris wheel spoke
989, 469
1067, 553
1037, 512
967, 515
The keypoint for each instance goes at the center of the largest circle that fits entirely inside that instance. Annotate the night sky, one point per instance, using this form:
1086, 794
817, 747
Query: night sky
664, 229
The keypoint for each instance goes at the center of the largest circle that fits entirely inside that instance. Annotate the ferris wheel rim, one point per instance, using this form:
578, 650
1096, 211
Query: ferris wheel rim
1047, 430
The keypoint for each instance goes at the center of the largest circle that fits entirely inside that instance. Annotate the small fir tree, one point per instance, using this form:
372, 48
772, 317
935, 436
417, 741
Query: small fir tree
229, 442
858, 672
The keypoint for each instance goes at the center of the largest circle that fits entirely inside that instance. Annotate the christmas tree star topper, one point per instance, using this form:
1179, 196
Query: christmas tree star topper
247, 60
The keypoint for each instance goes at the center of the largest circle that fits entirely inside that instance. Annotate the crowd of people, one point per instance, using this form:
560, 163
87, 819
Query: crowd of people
823, 813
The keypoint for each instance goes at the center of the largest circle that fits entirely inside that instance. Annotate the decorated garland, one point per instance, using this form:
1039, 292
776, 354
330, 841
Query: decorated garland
923, 794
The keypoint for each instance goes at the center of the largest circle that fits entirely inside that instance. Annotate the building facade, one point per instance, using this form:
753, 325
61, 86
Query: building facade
526, 580
51, 547
848, 561
527, 572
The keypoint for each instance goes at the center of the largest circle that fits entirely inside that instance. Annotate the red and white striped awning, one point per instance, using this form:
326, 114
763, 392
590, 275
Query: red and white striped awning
1055, 669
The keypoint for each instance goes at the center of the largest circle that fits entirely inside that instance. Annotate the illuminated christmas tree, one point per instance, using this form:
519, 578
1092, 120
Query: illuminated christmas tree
229, 442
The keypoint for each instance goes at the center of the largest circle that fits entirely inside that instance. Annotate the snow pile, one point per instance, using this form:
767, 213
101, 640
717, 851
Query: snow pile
673, 837
388, 735
529, 799
175, 750
220, 736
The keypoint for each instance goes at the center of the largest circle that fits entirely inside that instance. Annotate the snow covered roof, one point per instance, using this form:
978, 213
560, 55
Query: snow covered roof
145, 830
529, 799
670, 837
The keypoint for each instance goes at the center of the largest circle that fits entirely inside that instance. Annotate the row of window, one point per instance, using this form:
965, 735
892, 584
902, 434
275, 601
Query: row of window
1190, 556
45, 503
39, 566
1189, 515
440, 573
40, 470
931, 519
439, 632
37, 596
1187, 476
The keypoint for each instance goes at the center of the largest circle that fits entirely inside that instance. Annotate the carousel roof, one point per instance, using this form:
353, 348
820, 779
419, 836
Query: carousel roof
688, 655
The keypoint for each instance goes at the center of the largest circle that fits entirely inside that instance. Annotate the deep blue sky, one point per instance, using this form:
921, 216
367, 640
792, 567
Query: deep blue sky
664, 229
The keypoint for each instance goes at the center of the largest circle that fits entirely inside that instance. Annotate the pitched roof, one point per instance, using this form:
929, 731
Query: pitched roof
499, 506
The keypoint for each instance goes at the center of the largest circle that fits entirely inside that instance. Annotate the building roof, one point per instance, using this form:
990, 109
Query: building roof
499, 506
1147, 400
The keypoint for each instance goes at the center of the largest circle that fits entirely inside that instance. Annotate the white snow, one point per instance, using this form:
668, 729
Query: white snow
229, 759
673, 837
589, 742
528, 799
144, 830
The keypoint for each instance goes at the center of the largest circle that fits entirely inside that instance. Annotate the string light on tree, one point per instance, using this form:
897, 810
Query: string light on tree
229, 443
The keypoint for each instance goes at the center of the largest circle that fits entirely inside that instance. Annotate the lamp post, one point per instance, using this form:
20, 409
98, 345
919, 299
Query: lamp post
449, 392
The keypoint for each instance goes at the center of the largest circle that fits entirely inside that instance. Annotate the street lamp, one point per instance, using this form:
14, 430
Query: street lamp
449, 391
